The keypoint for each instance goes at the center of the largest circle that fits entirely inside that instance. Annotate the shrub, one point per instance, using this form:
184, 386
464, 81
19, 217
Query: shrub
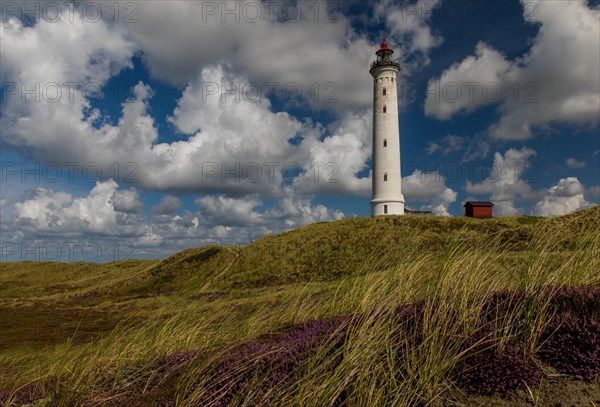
493, 370
571, 342
269, 363
573, 348
579, 301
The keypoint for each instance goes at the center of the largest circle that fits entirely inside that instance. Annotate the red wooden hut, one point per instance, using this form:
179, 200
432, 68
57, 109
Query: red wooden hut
478, 209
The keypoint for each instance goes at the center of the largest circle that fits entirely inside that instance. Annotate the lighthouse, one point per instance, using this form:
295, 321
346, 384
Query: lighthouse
387, 180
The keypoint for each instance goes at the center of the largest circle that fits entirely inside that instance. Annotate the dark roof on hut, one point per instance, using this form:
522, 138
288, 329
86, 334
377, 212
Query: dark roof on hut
478, 203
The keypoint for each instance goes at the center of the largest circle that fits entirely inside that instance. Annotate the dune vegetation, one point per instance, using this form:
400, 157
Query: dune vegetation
386, 311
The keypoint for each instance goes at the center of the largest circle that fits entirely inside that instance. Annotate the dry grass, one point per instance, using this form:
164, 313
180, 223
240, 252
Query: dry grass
365, 267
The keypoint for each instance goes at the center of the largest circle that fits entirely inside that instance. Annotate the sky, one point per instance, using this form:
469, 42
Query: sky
137, 129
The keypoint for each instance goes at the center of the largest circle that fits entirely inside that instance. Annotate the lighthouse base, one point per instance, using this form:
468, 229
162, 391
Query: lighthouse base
388, 207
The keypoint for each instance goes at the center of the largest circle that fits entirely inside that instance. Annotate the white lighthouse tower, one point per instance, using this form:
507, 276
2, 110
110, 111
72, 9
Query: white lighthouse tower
387, 180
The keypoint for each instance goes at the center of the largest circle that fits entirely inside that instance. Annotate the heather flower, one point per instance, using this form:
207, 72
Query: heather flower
573, 348
259, 368
493, 370
271, 363
579, 301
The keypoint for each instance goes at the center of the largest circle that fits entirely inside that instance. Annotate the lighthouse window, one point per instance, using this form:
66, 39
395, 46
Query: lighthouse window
385, 109
385, 143
384, 92
385, 209
385, 177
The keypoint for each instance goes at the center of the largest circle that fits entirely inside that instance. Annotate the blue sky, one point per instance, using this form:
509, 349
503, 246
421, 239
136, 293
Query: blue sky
133, 130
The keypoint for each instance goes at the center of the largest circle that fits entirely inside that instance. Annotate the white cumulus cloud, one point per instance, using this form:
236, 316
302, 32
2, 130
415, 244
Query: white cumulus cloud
505, 183
409, 26
127, 201
556, 81
168, 204
59, 213
428, 187
565, 197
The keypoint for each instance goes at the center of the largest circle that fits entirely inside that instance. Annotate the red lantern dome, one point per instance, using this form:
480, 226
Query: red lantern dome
384, 46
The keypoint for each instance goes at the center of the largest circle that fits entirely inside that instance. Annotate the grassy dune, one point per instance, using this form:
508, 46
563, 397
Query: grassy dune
365, 311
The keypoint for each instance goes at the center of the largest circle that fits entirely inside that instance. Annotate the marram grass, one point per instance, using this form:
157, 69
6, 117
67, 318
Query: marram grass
387, 311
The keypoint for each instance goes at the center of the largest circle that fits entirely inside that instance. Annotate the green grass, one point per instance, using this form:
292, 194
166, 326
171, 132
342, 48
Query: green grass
91, 333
